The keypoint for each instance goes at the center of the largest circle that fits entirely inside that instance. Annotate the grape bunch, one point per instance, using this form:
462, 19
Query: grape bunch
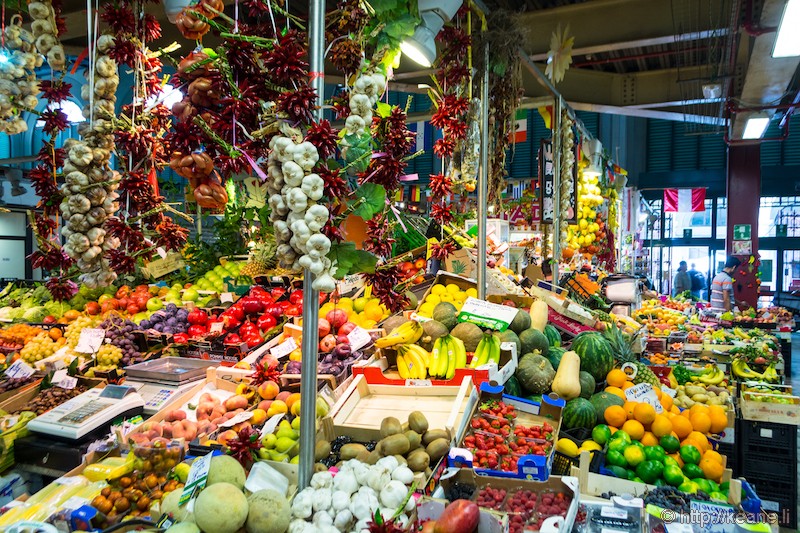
15, 383
38, 348
120, 333
73, 331
672, 498
109, 355
170, 319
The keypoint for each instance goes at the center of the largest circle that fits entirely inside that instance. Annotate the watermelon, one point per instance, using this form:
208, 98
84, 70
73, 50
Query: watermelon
534, 340
603, 400
554, 356
578, 413
512, 387
553, 336
588, 384
597, 356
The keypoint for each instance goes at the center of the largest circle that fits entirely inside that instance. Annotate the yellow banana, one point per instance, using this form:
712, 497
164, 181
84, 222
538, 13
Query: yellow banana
416, 366
445, 354
494, 353
460, 353
402, 367
713, 378
436, 355
451, 358
407, 333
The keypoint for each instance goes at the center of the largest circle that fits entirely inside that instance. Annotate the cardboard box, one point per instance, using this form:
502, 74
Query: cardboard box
362, 407
445, 278
566, 484
522, 302
566, 324
531, 467
759, 406
432, 509
384, 370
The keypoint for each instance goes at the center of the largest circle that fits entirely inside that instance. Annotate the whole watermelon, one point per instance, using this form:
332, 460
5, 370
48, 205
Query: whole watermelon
554, 356
512, 387
602, 401
553, 336
587, 384
578, 413
597, 357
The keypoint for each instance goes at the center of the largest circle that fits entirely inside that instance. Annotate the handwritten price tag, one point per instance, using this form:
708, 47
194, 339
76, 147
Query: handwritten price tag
358, 338
284, 348
643, 392
270, 425
216, 327
19, 369
226, 297
198, 476
418, 383
238, 419
90, 340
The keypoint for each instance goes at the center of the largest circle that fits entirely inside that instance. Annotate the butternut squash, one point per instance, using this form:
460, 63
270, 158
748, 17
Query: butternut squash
538, 314
567, 382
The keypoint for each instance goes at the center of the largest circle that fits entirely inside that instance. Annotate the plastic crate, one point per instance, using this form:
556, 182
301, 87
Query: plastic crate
769, 439
562, 464
778, 497
769, 468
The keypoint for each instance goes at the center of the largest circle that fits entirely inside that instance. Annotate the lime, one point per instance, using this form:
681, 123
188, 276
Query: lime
673, 475
659, 482
703, 484
714, 486
617, 445
634, 455
689, 487
649, 471
618, 471
637, 479
671, 461
621, 435
690, 454
638, 444
723, 487
716, 495
692, 471
615, 458
601, 434
670, 443
654, 453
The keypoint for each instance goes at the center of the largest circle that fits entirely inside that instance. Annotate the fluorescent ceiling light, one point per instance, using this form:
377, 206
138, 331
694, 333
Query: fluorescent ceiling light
755, 127
787, 43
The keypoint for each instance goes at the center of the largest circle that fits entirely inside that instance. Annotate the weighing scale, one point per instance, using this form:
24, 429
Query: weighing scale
161, 380
89, 413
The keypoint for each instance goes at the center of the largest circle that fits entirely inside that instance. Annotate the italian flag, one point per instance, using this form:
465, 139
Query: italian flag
684, 200
414, 194
520, 134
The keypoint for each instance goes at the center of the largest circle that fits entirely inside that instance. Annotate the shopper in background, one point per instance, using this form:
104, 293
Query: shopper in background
698, 282
722, 287
682, 282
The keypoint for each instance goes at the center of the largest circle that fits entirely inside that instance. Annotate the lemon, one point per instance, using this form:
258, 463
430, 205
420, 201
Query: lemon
590, 445
439, 289
567, 447
452, 288
448, 297
435, 298
472, 292
426, 309
359, 304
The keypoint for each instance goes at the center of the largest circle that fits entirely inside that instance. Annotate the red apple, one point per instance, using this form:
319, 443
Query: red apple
342, 339
327, 344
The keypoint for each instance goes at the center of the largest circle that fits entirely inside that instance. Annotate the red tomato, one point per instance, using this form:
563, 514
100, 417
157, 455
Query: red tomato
132, 309
274, 310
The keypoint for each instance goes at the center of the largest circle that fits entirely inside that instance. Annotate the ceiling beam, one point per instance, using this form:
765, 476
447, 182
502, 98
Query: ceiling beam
635, 23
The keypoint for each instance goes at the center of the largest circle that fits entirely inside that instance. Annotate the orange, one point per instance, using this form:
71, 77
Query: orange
616, 391
627, 385
719, 419
711, 454
698, 408
711, 469
674, 410
55, 333
700, 440
700, 422
681, 426
648, 439
613, 429
290, 401
629, 409
661, 426
677, 457
666, 402
615, 416
658, 392
616, 378
633, 428
644, 413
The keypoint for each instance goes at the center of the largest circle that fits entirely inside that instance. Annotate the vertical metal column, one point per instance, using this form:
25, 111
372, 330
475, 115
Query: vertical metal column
557, 163
308, 373
483, 178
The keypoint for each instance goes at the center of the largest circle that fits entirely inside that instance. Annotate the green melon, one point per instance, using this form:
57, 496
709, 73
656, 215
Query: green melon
552, 334
510, 336
532, 340
554, 354
578, 413
597, 356
432, 330
469, 333
445, 312
512, 387
602, 401
521, 322
588, 384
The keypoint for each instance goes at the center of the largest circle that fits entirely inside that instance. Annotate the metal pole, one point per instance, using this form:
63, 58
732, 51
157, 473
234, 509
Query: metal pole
557, 161
483, 177
308, 372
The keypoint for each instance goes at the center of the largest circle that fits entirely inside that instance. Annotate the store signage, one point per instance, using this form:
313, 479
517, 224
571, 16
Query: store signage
486, 314
781, 230
161, 267
547, 179
90, 340
742, 247
198, 476
687, 233
741, 232
644, 393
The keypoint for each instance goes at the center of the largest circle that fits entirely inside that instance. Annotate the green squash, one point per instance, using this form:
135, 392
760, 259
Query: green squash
535, 374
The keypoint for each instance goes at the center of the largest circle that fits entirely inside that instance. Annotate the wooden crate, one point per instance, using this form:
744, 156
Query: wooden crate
768, 411
20, 390
19, 401
362, 407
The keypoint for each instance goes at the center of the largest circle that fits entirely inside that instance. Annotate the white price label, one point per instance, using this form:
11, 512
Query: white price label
668, 391
417, 318
270, 425
419, 383
74, 503
608, 511
216, 327
244, 416
284, 348
358, 338
198, 475
644, 393
487, 314
68, 382
226, 297
90, 340
19, 369
162, 252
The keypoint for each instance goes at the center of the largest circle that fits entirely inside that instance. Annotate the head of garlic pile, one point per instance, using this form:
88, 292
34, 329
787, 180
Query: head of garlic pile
18, 83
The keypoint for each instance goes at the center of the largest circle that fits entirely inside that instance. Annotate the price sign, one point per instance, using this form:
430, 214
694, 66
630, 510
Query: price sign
216, 327
418, 383
358, 338
284, 348
19, 369
644, 393
226, 297
669, 392
244, 416
547, 179
198, 475
486, 314
90, 340
61, 379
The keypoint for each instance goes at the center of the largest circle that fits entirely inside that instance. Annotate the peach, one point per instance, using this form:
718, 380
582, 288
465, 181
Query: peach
268, 390
177, 414
283, 395
206, 397
264, 405
226, 436
292, 399
236, 402
238, 427
259, 416
139, 438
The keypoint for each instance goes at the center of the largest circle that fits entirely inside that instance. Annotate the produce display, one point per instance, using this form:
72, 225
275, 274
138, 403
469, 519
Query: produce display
49, 398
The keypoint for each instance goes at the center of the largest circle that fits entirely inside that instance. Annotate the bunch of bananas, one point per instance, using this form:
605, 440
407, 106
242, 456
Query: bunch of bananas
488, 350
448, 354
710, 376
406, 333
412, 361
742, 370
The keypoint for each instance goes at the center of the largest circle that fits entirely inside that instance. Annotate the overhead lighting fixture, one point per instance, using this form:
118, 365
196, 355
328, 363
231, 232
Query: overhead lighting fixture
712, 91
756, 126
787, 42
593, 148
421, 47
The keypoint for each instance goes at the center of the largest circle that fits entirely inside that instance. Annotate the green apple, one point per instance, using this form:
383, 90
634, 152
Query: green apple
263, 454
190, 295
219, 270
173, 294
322, 407
176, 287
138, 317
154, 304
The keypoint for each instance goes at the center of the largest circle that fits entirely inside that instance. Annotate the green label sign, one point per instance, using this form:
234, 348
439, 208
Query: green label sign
687, 233
781, 230
741, 232
486, 314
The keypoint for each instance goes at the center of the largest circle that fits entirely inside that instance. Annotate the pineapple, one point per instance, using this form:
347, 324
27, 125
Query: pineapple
262, 259
624, 354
